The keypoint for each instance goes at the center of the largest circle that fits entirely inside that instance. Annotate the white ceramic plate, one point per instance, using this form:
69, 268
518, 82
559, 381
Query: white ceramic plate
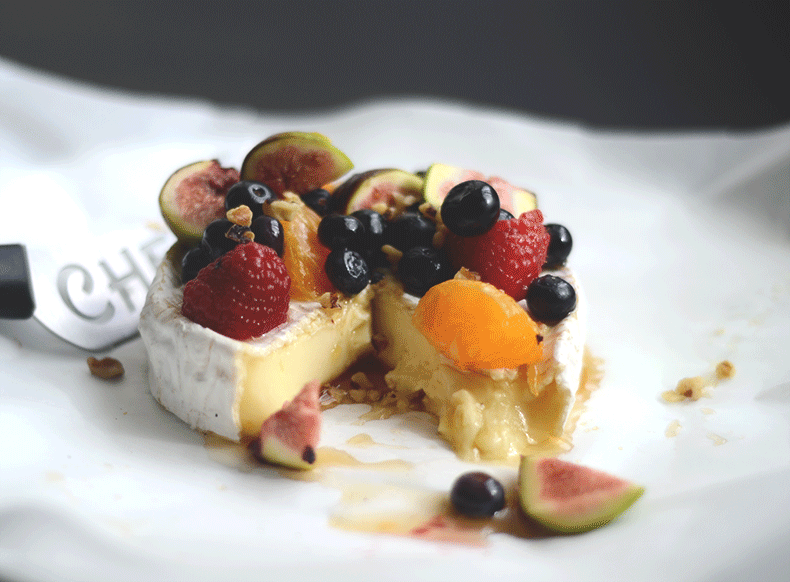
682, 243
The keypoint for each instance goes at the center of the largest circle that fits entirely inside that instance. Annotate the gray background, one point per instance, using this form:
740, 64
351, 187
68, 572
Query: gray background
663, 65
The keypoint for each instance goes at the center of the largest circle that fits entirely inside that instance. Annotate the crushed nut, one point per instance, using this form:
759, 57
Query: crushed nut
393, 255
241, 215
286, 209
725, 370
464, 273
357, 394
691, 387
361, 379
439, 236
106, 368
329, 300
239, 233
428, 211
696, 387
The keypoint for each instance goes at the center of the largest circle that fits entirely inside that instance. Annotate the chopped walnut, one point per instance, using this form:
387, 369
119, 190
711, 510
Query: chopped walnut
106, 368
696, 387
329, 300
464, 273
357, 394
361, 379
393, 255
439, 236
725, 370
428, 211
286, 209
241, 215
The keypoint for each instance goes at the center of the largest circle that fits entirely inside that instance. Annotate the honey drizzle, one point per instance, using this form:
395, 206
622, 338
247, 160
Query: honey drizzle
425, 515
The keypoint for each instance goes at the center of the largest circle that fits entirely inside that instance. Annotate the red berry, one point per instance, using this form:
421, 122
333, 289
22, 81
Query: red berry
242, 295
509, 256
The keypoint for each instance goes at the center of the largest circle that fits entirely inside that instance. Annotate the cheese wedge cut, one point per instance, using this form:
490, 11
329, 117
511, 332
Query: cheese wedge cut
488, 414
228, 387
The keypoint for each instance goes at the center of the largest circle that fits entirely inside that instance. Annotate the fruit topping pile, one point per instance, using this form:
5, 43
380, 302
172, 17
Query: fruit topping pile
327, 233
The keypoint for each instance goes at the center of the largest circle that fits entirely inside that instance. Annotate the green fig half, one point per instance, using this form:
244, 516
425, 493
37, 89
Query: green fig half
368, 188
440, 179
570, 498
290, 436
295, 161
194, 196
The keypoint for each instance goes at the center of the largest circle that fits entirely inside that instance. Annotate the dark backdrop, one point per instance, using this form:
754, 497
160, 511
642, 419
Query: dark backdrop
615, 64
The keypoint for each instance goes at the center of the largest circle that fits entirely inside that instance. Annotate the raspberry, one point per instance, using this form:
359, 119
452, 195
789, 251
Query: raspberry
242, 295
509, 256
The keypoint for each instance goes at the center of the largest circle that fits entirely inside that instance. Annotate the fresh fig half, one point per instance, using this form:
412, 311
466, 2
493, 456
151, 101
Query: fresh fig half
440, 179
381, 185
194, 196
570, 498
295, 161
290, 436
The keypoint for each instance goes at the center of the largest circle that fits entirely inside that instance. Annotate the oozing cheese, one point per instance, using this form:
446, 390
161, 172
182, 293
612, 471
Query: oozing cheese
489, 414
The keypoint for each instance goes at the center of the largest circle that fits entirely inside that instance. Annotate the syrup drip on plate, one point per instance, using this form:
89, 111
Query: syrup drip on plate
371, 504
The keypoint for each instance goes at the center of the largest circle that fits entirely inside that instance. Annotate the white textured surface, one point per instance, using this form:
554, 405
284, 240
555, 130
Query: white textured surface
683, 245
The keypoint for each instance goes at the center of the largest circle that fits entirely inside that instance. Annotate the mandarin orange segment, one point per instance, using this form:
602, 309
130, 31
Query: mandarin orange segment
477, 326
304, 256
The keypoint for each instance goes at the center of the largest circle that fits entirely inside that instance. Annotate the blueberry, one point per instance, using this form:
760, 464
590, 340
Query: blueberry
317, 200
251, 194
410, 229
338, 231
477, 494
560, 246
374, 224
470, 208
421, 268
268, 231
347, 271
194, 260
214, 240
550, 299
504, 215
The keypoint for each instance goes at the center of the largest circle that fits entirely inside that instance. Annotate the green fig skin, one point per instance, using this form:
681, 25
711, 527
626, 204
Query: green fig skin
569, 498
367, 188
295, 162
440, 178
193, 196
290, 436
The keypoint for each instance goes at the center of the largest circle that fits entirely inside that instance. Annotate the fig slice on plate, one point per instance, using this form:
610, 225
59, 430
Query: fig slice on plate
380, 185
440, 179
290, 436
194, 196
295, 161
570, 498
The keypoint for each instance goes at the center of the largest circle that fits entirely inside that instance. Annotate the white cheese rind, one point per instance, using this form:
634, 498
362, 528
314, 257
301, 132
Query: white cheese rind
206, 379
